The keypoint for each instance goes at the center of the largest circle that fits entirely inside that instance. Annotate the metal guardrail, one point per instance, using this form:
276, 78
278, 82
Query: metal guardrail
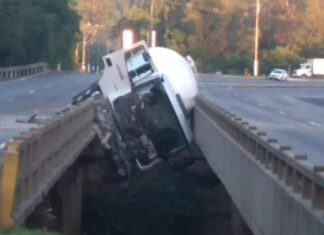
34, 161
15, 72
295, 170
215, 75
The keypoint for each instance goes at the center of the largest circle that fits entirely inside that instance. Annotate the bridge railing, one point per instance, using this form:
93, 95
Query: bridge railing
34, 161
295, 170
8, 73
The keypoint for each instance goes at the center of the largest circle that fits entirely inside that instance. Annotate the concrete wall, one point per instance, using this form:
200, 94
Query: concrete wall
268, 206
35, 161
70, 191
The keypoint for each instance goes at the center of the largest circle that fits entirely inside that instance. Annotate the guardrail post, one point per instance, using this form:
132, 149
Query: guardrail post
318, 190
9, 181
24, 70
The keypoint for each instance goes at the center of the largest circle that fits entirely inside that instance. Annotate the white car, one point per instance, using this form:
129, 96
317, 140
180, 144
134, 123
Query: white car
279, 74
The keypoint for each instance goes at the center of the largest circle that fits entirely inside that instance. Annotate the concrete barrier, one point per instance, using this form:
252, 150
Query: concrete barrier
35, 161
276, 191
15, 72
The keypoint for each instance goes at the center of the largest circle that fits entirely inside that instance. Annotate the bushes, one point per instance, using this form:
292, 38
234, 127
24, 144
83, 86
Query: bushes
37, 31
235, 64
281, 57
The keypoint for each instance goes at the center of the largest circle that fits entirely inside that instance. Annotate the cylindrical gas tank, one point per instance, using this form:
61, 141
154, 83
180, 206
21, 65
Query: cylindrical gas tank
178, 71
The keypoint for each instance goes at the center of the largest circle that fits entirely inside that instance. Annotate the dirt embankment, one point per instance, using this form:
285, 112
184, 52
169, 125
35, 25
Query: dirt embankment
189, 201
162, 201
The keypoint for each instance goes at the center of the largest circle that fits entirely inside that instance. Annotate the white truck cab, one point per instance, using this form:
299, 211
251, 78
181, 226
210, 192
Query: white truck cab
152, 92
313, 67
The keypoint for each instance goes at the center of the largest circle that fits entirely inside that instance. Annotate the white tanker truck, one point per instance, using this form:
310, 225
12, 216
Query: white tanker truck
151, 95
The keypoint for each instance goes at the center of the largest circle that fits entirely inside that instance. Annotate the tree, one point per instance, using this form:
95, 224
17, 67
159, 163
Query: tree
281, 57
220, 33
309, 37
51, 41
177, 40
98, 18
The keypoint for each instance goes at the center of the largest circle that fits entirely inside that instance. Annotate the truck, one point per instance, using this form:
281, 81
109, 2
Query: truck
144, 103
312, 68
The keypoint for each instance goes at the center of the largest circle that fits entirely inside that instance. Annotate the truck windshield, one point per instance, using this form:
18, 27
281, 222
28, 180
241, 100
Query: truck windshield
305, 66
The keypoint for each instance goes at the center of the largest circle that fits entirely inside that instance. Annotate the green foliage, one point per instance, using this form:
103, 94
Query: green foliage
218, 34
281, 57
176, 40
37, 30
235, 64
137, 20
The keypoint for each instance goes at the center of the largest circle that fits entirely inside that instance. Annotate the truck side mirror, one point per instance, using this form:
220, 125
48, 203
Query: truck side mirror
109, 62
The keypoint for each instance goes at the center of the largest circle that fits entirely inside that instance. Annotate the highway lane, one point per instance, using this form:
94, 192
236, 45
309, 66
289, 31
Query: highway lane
292, 112
45, 95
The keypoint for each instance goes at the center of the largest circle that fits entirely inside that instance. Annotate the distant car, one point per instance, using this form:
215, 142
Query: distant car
279, 74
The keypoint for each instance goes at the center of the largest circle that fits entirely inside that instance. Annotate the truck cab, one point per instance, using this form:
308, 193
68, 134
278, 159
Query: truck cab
313, 67
305, 70
150, 114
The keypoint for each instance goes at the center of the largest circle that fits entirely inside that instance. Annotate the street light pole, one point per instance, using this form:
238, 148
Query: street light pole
84, 54
256, 39
151, 22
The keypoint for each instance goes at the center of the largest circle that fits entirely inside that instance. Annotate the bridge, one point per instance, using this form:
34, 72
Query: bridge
263, 139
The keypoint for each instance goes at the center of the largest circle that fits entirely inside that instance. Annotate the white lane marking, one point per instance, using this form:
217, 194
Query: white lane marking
315, 124
31, 92
281, 112
48, 86
260, 105
2, 145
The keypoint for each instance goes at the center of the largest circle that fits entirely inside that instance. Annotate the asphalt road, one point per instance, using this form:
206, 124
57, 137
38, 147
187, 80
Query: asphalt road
292, 111
45, 95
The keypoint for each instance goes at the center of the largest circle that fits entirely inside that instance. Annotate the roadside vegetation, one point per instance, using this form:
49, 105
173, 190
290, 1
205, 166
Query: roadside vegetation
218, 34
37, 31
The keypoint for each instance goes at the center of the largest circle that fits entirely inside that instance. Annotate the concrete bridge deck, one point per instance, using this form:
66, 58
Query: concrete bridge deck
264, 140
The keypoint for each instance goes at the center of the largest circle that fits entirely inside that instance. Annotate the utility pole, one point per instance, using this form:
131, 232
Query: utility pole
89, 34
257, 38
150, 41
84, 53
